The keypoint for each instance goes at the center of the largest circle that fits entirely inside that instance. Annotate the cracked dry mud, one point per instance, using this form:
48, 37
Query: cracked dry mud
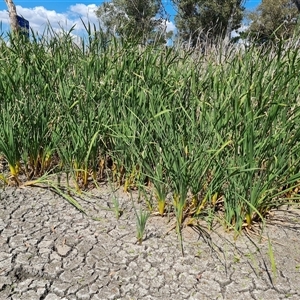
49, 250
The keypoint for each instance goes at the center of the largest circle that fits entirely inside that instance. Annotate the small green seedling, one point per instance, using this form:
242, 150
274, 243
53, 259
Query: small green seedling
141, 220
272, 258
116, 207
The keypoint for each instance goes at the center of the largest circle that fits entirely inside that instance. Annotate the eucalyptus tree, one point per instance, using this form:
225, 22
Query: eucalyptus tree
139, 20
274, 20
212, 19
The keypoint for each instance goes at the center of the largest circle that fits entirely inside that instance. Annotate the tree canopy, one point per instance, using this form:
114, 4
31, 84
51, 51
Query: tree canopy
143, 21
210, 19
273, 20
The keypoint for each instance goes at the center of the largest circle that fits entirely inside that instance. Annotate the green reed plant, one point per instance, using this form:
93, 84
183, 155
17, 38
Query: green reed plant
9, 147
222, 136
141, 220
272, 258
253, 124
116, 203
160, 188
37, 131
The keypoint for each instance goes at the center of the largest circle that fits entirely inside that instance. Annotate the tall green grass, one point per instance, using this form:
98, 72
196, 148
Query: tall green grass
217, 134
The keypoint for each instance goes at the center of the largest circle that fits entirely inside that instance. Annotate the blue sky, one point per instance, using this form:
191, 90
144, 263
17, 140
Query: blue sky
67, 13
62, 6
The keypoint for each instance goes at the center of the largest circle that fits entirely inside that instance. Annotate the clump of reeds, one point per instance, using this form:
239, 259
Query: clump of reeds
216, 134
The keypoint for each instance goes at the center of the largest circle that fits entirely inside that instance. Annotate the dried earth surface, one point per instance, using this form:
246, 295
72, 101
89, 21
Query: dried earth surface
49, 250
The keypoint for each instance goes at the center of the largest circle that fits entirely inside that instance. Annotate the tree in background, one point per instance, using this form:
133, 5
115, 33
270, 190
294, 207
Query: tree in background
139, 20
273, 20
12, 16
297, 3
207, 19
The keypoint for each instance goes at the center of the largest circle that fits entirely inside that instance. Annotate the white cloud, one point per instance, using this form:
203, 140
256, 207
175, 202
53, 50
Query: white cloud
84, 10
39, 17
4, 16
170, 26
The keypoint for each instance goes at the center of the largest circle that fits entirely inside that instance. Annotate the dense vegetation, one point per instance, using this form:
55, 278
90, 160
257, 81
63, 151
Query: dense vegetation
219, 132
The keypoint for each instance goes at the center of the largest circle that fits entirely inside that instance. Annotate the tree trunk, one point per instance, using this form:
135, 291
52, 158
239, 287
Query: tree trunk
12, 16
